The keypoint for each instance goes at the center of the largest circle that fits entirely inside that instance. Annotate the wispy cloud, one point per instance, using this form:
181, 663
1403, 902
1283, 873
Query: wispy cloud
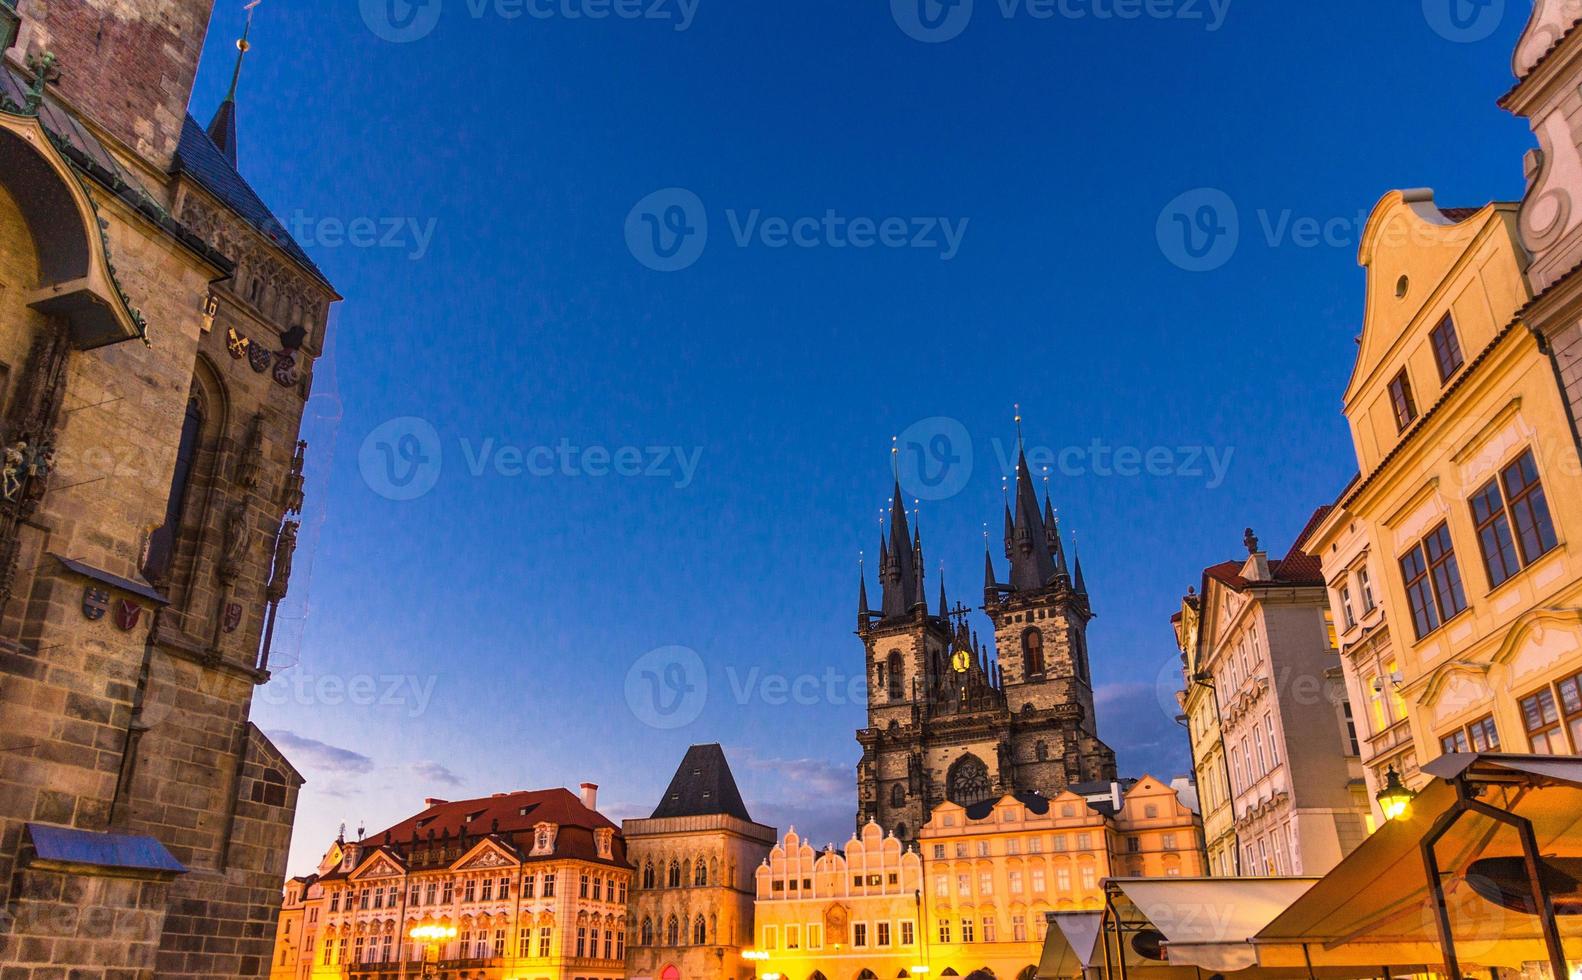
800, 778
433, 772
310, 753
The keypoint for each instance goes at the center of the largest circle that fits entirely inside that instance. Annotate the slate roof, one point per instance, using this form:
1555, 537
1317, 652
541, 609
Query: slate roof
200, 159
702, 786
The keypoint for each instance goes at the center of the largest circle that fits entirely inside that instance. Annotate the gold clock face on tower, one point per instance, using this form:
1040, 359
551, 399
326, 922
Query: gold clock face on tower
961, 661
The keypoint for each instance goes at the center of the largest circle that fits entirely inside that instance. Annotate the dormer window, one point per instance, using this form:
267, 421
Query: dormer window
544, 838
1447, 349
604, 839
1401, 401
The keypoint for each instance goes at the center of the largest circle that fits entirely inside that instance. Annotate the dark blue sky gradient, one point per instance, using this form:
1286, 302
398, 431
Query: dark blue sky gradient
526, 142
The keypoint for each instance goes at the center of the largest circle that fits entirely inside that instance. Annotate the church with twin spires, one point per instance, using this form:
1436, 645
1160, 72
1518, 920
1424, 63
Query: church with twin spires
951, 719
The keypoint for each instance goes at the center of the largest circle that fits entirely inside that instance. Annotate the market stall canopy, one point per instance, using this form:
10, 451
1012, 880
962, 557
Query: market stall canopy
1376, 907
1071, 946
1203, 922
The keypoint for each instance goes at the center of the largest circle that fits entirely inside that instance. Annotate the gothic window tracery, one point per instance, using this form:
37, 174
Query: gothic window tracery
968, 781
896, 671
897, 796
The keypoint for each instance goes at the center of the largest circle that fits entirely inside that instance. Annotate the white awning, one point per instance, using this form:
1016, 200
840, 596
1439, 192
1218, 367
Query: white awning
1070, 945
1208, 922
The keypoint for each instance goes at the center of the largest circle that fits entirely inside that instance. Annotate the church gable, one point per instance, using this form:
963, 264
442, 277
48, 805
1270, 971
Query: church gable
378, 865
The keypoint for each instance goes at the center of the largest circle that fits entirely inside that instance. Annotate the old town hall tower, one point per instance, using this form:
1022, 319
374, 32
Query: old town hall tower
948, 722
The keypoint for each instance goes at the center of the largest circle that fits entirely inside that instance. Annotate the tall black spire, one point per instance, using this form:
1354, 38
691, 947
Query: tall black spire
862, 600
1032, 564
222, 128
898, 571
1081, 585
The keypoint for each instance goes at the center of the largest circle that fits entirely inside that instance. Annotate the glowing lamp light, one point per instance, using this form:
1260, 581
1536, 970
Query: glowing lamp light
1395, 799
433, 934
772, 976
754, 955
918, 971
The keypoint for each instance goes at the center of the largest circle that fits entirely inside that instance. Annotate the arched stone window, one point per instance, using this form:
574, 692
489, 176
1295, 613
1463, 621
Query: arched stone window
673, 879
897, 796
673, 932
648, 874
968, 781
897, 671
900, 831
700, 934
1033, 653
700, 872
646, 936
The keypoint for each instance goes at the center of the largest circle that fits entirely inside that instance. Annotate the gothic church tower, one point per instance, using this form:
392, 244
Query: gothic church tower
945, 722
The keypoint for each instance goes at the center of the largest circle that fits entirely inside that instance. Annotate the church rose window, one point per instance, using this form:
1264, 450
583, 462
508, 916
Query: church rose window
968, 781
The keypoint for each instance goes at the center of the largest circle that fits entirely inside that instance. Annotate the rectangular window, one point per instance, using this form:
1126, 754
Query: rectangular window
549, 886
449, 891
1485, 737
469, 890
1274, 743
815, 936
1365, 582
941, 886
499, 942
1090, 878
939, 852
524, 944
1494, 534
582, 886
1541, 717
793, 937
582, 941
963, 886
1456, 741
543, 941
1346, 612
882, 933
966, 930
1016, 882
1038, 881
988, 928
1447, 349
488, 890
1433, 581
1019, 928
944, 930
1524, 493
908, 936
985, 883
859, 934
1063, 879
1571, 706
1401, 401
527, 886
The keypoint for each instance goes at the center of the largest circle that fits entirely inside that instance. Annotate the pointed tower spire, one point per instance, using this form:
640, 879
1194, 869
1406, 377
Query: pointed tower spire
222, 128
944, 607
862, 596
1081, 584
1032, 565
901, 578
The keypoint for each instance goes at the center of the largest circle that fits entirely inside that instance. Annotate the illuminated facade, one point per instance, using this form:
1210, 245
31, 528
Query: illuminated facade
995, 870
838, 914
1200, 712
536, 885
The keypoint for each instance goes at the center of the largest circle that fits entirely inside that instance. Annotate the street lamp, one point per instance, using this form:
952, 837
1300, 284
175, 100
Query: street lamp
918, 971
1395, 799
432, 937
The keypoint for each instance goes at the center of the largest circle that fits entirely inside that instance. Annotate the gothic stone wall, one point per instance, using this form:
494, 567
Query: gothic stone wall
126, 64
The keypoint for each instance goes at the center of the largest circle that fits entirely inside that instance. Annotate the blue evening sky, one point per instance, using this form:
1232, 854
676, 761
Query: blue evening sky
481, 636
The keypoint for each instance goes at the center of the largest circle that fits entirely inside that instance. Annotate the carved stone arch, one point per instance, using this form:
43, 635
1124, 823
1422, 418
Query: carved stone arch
173, 549
968, 781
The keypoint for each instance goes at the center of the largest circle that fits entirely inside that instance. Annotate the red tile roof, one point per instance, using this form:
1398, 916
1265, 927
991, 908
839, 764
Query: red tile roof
509, 818
1296, 568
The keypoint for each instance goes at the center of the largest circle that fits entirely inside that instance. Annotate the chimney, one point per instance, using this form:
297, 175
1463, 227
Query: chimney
590, 796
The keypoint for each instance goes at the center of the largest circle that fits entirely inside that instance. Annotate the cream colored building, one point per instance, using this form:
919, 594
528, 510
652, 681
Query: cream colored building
1200, 713
1265, 650
841, 915
995, 870
696, 858
536, 885
1470, 481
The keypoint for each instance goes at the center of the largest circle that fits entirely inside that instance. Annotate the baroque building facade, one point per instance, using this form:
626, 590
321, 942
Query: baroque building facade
1205, 736
1277, 741
997, 869
945, 721
855, 912
696, 857
536, 884
158, 335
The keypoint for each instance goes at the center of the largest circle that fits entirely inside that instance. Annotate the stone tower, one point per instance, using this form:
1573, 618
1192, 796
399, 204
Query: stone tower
945, 721
159, 333
695, 857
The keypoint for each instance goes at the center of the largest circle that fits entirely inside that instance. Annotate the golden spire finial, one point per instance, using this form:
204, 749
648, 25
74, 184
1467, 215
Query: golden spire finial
1018, 426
